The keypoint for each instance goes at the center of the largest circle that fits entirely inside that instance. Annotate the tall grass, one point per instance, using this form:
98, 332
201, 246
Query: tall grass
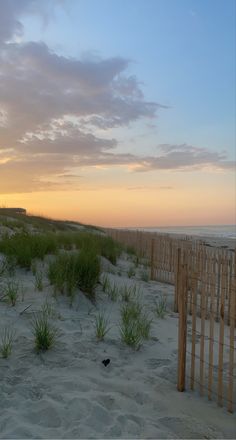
101, 244
25, 247
62, 274
81, 269
7, 337
135, 325
39, 280
160, 307
12, 292
101, 326
45, 334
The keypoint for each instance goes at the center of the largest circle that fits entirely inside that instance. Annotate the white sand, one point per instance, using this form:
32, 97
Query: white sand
68, 393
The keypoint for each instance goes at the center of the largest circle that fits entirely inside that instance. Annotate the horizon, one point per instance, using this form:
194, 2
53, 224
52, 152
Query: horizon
119, 113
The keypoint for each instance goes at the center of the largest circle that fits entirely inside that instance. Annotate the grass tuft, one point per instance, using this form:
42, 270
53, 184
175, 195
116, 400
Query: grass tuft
7, 337
12, 292
39, 280
135, 325
101, 326
160, 308
45, 334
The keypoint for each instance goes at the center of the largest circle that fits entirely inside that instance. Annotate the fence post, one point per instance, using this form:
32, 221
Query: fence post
182, 336
177, 280
152, 259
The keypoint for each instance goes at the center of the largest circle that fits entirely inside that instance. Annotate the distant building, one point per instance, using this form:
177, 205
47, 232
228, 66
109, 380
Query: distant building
12, 211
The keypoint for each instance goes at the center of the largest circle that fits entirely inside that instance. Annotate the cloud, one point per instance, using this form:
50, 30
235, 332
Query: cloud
53, 106
150, 188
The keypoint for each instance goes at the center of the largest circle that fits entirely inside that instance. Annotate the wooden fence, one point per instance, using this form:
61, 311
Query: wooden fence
205, 290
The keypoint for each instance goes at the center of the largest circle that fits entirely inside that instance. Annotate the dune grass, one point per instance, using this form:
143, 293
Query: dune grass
101, 326
39, 280
12, 292
24, 247
69, 271
105, 283
45, 334
135, 324
6, 342
160, 307
129, 293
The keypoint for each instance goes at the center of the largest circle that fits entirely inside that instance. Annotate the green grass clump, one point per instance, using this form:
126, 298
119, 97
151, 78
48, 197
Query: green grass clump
160, 307
12, 292
62, 274
144, 325
69, 271
109, 248
105, 282
45, 334
7, 337
100, 244
135, 325
39, 280
130, 335
113, 292
101, 326
88, 267
131, 312
3, 267
25, 247
129, 293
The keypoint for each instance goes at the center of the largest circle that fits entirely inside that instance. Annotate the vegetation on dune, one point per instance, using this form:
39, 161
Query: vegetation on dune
101, 326
7, 337
25, 247
135, 324
160, 307
12, 292
80, 269
45, 334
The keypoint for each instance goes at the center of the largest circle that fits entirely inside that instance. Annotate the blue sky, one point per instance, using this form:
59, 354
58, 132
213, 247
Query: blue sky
183, 53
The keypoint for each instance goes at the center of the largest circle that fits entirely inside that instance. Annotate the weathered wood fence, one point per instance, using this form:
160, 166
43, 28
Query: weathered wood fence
205, 297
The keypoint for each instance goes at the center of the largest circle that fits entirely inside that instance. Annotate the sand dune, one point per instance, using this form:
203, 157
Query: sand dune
67, 392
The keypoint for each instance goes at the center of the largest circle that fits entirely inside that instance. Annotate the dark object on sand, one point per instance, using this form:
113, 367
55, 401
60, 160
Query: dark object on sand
106, 362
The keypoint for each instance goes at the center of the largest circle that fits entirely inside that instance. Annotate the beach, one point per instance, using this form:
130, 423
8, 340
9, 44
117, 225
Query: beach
67, 392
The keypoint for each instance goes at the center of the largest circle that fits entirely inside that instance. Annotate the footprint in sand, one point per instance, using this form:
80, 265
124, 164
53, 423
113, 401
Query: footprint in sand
156, 363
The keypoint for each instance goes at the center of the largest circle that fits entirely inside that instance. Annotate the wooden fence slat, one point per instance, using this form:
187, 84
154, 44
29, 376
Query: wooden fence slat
182, 335
178, 280
221, 337
211, 334
203, 314
152, 258
194, 317
231, 343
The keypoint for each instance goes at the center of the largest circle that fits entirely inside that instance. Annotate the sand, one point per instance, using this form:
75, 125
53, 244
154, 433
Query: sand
68, 393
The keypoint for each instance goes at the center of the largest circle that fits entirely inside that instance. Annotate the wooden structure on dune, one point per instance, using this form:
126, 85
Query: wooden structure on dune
13, 211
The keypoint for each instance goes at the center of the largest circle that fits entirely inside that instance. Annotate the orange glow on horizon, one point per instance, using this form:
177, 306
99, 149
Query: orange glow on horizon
123, 208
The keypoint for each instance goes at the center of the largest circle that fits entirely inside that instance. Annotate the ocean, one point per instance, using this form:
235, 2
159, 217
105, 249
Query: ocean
222, 231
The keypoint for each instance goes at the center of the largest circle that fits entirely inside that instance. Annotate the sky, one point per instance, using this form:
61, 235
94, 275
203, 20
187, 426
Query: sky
119, 113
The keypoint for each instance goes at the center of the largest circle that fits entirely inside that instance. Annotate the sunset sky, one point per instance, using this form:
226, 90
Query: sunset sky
119, 112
